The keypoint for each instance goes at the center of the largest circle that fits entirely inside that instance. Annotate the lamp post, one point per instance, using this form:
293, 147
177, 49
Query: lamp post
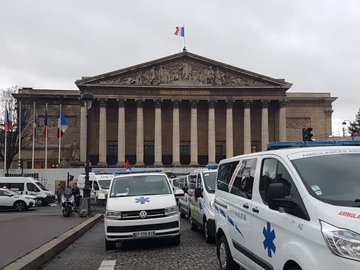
87, 98
344, 124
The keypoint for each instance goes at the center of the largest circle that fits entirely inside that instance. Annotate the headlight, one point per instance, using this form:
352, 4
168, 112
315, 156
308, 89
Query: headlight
212, 204
173, 210
113, 214
341, 242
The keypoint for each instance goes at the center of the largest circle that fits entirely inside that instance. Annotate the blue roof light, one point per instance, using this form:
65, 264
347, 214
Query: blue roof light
280, 145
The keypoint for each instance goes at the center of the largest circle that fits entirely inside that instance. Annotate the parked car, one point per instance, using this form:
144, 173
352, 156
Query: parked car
99, 184
141, 205
10, 199
201, 200
292, 208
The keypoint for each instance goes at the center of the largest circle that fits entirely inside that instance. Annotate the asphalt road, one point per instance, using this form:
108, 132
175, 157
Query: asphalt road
88, 252
22, 232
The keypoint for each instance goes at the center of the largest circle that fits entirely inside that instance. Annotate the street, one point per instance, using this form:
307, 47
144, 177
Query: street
88, 252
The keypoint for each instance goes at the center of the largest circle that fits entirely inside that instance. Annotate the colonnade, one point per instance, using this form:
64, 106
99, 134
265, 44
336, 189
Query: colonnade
176, 131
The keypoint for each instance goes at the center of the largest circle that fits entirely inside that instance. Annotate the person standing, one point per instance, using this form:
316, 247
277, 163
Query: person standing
59, 193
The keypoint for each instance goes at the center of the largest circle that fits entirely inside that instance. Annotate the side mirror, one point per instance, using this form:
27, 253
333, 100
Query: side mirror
198, 192
274, 194
10, 195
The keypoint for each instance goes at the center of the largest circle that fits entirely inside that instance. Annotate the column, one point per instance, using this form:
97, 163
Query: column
102, 133
158, 134
247, 127
176, 134
282, 121
83, 133
121, 132
229, 129
264, 124
193, 134
139, 133
211, 132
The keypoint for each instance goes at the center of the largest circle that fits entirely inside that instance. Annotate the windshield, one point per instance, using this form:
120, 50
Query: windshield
104, 184
41, 185
210, 179
135, 185
334, 179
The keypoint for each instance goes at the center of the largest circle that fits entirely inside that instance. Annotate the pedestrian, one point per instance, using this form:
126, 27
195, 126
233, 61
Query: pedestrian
60, 191
76, 193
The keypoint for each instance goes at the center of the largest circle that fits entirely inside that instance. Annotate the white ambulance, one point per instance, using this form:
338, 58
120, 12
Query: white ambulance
201, 202
99, 183
141, 205
290, 209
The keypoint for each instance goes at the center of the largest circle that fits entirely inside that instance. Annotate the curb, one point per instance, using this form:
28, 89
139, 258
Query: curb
46, 252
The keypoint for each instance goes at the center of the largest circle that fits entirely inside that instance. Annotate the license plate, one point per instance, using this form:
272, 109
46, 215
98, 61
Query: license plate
144, 234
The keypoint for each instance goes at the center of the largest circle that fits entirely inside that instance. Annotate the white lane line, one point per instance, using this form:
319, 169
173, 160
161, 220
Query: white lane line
107, 265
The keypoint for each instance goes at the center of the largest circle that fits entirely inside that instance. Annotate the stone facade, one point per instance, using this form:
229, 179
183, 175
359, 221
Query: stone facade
219, 110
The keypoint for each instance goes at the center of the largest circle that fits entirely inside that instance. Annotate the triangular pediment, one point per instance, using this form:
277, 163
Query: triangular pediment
184, 69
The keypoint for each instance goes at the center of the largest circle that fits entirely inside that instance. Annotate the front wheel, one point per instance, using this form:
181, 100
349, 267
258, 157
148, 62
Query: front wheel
224, 255
208, 238
20, 206
66, 211
40, 202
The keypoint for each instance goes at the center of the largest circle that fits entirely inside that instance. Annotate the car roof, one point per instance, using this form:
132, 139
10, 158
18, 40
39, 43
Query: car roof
284, 152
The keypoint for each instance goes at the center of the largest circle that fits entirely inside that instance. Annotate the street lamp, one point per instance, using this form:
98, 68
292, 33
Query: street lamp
87, 98
344, 124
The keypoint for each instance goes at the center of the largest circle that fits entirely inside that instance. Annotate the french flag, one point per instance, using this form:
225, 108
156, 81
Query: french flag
8, 125
180, 31
62, 125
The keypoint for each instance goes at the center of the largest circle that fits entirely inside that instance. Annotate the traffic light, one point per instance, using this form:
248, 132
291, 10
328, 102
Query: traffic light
306, 134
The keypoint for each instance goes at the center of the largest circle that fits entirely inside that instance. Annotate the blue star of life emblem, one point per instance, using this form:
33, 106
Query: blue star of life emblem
269, 239
142, 200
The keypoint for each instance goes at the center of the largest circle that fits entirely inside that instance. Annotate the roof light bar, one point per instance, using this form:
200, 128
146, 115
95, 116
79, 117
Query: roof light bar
280, 145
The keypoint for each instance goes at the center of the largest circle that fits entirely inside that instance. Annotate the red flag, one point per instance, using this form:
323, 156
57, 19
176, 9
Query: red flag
127, 165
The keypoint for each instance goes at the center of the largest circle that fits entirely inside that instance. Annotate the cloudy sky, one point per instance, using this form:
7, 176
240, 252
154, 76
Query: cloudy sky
313, 44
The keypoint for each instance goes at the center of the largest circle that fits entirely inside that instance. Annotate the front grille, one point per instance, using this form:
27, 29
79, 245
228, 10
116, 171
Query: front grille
139, 228
153, 213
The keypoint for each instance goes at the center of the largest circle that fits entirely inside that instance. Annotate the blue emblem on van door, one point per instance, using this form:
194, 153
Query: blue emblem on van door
142, 200
269, 239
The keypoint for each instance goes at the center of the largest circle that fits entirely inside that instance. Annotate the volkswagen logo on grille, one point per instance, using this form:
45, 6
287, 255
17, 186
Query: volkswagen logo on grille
142, 214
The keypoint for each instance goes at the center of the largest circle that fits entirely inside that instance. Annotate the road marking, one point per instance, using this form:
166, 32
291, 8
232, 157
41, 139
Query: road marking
107, 265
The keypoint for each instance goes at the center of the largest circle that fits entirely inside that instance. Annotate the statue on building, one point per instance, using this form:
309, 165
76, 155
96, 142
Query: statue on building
75, 152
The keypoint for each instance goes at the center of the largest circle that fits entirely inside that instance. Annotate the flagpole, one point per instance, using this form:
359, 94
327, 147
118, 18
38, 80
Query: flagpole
184, 38
33, 142
46, 133
59, 133
5, 127
20, 123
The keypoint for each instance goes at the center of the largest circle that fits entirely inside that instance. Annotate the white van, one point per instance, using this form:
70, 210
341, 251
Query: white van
201, 200
99, 184
290, 209
141, 205
28, 186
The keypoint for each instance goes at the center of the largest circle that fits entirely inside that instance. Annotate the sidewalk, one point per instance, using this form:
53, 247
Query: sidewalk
55, 233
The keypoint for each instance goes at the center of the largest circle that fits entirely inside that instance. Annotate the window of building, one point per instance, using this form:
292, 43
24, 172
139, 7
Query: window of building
148, 150
184, 150
112, 150
253, 148
219, 150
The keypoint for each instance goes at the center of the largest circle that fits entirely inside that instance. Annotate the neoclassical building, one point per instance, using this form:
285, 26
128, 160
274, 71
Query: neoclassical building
180, 110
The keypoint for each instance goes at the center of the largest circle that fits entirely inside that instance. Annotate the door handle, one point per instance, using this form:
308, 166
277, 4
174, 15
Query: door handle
255, 209
245, 205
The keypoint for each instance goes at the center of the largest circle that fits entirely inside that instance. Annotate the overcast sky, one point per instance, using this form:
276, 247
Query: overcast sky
313, 44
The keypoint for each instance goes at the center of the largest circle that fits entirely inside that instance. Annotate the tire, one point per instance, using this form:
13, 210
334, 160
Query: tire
224, 255
194, 227
20, 205
295, 268
175, 240
182, 215
208, 238
66, 211
110, 245
40, 202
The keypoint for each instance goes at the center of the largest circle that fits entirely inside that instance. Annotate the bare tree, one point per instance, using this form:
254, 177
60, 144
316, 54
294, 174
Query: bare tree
12, 135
